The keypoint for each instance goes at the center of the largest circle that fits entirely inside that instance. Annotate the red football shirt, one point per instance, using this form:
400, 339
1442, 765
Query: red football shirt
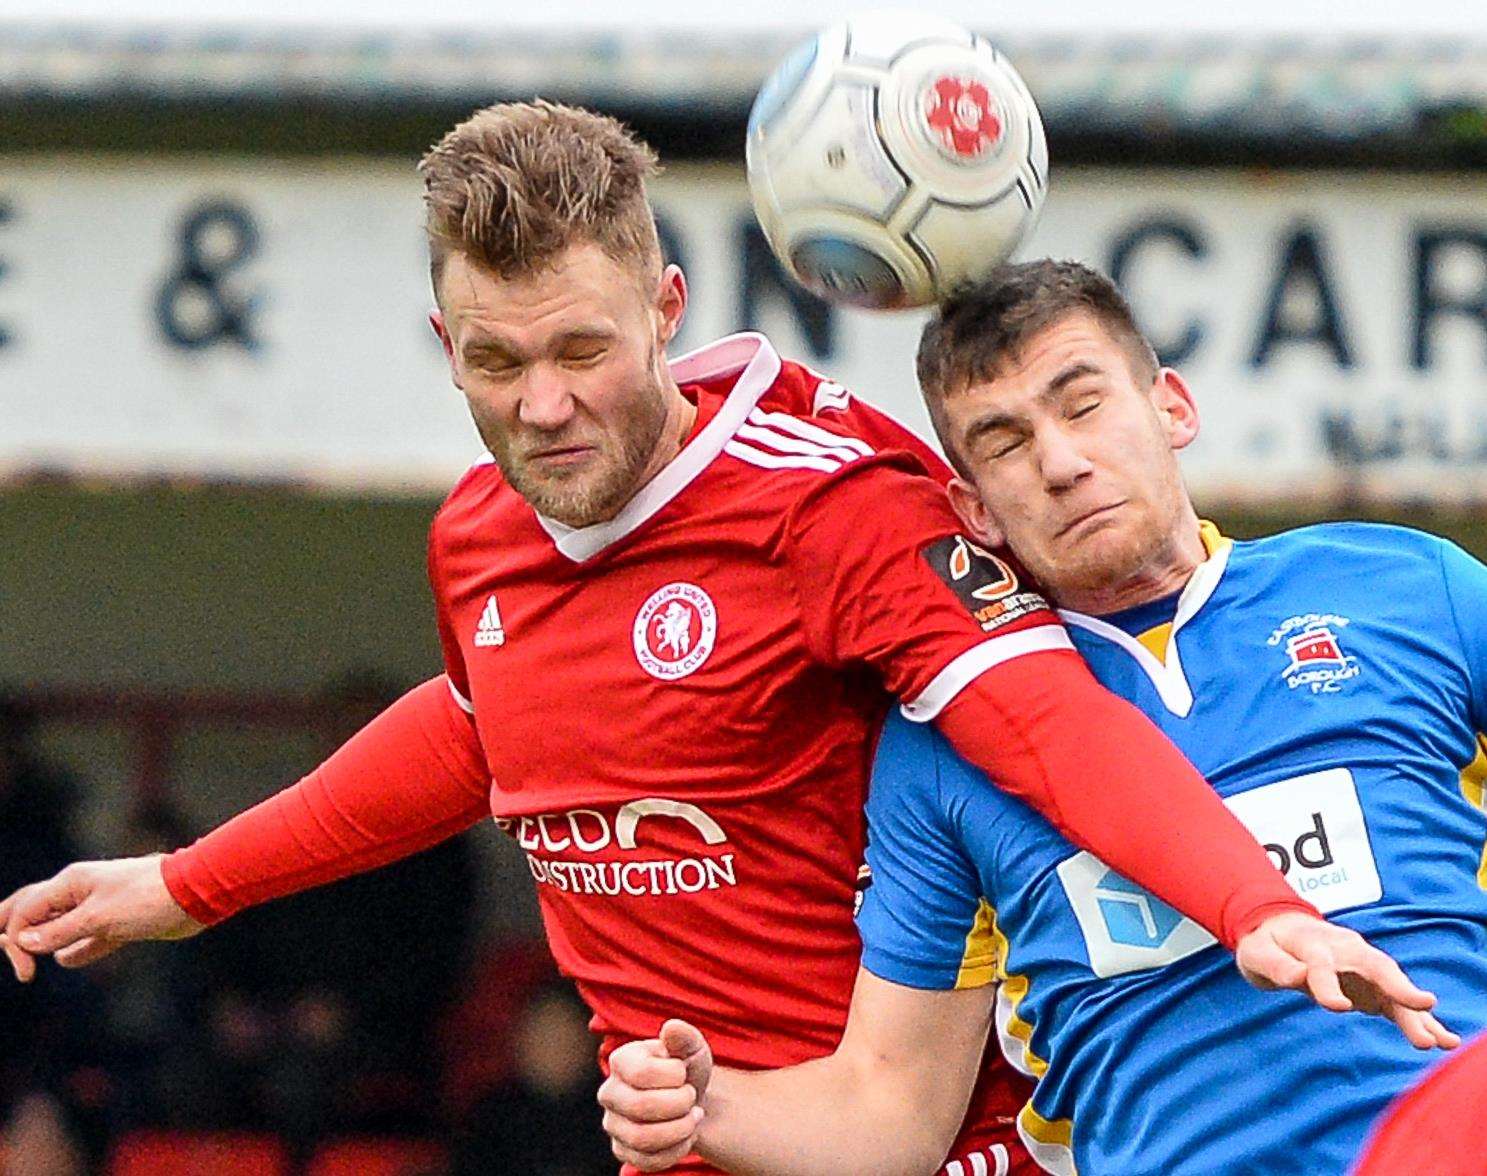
679, 707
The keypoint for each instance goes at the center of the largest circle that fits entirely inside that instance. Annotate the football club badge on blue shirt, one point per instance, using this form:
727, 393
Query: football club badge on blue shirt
1313, 643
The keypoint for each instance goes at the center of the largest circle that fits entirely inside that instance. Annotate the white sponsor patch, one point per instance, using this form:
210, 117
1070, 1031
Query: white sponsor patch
1312, 828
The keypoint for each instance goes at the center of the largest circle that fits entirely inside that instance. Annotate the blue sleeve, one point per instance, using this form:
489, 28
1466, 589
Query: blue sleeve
922, 920
1466, 591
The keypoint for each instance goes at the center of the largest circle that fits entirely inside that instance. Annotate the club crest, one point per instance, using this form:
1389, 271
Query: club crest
1315, 657
674, 631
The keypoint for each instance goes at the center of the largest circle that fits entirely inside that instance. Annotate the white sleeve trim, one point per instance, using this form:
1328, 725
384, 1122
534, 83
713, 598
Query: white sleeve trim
465, 704
975, 661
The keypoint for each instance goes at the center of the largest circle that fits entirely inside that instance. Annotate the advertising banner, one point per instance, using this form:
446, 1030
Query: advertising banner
268, 320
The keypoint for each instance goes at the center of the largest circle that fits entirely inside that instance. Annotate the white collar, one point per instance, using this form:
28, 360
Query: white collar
754, 360
1167, 675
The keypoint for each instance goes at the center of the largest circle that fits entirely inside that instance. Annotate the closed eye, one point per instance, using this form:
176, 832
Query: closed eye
501, 371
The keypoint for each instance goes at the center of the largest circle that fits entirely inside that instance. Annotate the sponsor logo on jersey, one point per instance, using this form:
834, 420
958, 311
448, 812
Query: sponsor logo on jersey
675, 631
488, 631
1311, 826
1132, 916
1313, 647
983, 582
586, 851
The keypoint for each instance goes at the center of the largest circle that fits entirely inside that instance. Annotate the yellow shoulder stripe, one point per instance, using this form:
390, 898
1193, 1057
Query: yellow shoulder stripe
1056, 1131
979, 961
1474, 787
1015, 1036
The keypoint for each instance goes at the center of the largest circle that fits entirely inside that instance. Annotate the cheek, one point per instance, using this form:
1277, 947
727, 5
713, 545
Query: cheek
492, 408
1011, 494
1136, 452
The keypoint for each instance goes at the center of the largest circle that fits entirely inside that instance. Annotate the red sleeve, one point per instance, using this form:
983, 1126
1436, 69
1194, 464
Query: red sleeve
410, 778
1047, 732
885, 578
1436, 1126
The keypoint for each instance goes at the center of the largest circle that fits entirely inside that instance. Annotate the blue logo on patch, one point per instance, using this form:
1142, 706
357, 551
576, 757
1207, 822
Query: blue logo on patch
1133, 916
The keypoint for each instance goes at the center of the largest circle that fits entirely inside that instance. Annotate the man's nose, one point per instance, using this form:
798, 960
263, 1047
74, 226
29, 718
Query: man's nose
1060, 460
546, 399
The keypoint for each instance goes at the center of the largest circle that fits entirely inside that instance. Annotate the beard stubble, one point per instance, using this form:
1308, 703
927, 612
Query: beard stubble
594, 494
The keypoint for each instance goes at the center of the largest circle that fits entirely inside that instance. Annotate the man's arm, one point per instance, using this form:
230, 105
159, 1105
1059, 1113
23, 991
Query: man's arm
1108, 780
1046, 731
412, 777
884, 581
886, 1103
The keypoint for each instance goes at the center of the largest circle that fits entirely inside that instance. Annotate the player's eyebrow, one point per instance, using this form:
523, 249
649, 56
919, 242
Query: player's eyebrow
482, 344
1080, 367
989, 423
586, 334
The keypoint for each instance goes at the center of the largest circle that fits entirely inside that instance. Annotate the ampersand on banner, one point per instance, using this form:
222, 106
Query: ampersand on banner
194, 307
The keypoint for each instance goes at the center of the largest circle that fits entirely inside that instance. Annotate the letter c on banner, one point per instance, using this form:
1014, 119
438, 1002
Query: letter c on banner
1185, 236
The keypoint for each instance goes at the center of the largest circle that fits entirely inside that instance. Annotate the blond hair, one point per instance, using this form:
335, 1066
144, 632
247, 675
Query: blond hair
516, 184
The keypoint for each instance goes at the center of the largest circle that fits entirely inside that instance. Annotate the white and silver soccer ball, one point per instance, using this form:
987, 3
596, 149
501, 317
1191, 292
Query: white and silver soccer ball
893, 156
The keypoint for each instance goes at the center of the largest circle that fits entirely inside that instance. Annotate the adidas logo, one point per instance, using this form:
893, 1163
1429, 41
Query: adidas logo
489, 630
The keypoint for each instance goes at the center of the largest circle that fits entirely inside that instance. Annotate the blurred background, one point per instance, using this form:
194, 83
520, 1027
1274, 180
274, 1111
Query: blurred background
225, 424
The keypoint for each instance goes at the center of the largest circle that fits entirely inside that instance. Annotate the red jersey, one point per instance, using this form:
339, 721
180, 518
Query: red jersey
679, 707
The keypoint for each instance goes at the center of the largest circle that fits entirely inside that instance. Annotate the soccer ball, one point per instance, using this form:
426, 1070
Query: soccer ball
893, 156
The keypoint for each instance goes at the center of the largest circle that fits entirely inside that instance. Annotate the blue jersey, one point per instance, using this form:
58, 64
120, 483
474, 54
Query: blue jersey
1332, 683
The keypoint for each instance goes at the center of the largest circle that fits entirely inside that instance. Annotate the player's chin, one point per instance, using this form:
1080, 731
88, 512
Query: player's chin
1102, 548
1085, 567
574, 495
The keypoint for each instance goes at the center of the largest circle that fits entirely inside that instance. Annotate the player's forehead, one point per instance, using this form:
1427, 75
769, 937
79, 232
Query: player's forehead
581, 294
1053, 360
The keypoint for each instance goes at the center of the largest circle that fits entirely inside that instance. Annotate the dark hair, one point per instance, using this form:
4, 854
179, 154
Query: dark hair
982, 325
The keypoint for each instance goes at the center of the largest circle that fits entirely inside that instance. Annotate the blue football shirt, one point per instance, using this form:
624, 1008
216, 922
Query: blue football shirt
1331, 682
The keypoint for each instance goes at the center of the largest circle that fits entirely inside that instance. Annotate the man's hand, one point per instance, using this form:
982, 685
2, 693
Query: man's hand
652, 1098
87, 911
1341, 971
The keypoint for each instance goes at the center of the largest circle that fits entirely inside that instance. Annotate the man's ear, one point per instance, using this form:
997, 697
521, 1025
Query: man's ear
436, 320
671, 302
1176, 408
965, 500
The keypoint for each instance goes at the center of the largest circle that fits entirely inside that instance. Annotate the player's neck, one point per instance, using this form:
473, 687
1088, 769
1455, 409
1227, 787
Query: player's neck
1165, 574
681, 415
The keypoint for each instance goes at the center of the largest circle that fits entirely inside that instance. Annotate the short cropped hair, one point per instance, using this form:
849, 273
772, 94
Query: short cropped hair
983, 325
516, 184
